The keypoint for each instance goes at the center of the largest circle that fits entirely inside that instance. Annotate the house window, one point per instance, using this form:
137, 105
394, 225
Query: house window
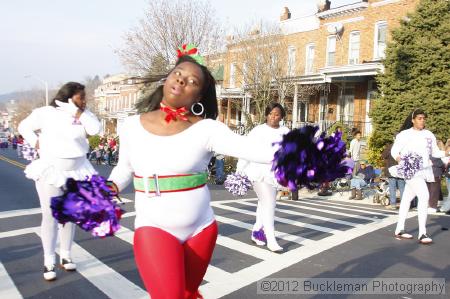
302, 111
380, 40
291, 61
331, 50
273, 66
309, 65
232, 75
244, 73
353, 55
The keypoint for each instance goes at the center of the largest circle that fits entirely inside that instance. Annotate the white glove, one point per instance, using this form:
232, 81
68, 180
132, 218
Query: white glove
68, 107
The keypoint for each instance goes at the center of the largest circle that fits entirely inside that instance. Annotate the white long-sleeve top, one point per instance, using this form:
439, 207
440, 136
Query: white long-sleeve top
258, 172
422, 142
183, 214
355, 149
61, 135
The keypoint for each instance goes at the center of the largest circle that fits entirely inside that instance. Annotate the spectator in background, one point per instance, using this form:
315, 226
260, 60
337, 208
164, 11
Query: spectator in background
362, 178
394, 183
434, 188
445, 207
98, 156
220, 165
355, 150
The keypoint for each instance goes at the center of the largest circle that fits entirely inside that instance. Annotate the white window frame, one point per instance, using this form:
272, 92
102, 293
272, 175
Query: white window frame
375, 40
244, 73
273, 66
309, 68
232, 81
354, 60
328, 50
292, 52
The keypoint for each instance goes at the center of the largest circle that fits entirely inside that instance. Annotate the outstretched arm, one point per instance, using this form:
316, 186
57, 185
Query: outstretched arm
222, 140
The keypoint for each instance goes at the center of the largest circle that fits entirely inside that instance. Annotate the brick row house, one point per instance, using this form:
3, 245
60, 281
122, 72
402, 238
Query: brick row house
116, 98
331, 60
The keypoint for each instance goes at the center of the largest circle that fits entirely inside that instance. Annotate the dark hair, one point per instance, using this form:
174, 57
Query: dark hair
207, 94
356, 132
274, 105
407, 124
67, 91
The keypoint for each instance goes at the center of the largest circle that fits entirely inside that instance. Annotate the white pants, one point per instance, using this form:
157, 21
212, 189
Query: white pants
49, 225
414, 187
265, 212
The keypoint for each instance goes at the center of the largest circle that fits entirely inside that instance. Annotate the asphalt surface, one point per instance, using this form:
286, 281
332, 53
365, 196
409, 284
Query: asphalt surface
322, 238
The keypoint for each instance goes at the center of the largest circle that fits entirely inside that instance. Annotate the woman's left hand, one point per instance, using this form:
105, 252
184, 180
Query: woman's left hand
69, 107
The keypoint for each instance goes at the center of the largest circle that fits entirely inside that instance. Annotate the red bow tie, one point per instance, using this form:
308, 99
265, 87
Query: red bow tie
172, 113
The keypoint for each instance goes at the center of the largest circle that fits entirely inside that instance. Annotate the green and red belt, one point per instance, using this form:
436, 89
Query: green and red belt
169, 183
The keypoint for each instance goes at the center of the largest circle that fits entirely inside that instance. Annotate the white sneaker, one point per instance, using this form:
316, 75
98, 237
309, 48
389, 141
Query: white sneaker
424, 239
49, 273
258, 242
432, 211
68, 265
275, 248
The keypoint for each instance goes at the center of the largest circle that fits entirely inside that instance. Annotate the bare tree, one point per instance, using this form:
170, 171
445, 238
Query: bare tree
24, 103
260, 57
91, 83
166, 26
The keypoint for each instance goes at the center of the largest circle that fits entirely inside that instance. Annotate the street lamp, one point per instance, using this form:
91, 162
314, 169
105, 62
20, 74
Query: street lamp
43, 82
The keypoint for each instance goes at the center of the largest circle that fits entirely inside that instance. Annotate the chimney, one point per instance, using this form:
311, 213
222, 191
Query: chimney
285, 14
323, 5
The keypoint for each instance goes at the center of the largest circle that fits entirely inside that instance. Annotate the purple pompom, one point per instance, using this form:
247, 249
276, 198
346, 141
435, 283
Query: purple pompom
237, 184
304, 160
409, 165
90, 205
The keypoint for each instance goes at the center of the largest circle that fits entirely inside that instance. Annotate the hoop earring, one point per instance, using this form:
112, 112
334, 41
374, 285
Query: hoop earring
193, 108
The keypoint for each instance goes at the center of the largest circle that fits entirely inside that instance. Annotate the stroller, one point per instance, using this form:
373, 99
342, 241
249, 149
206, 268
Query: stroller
341, 185
381, 195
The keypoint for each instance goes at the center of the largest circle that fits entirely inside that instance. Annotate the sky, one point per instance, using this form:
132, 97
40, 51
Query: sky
65, 40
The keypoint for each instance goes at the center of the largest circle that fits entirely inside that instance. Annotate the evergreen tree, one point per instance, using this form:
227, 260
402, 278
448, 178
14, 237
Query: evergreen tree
417, 75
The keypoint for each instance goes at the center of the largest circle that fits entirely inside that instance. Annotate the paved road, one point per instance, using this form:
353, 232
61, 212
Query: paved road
322, 238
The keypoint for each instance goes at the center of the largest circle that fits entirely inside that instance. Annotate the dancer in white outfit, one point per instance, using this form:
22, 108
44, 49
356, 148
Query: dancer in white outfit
62, 147
263, 178
413, 137
165, 150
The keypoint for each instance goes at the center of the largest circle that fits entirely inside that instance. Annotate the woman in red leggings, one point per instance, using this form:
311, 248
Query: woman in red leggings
165, 150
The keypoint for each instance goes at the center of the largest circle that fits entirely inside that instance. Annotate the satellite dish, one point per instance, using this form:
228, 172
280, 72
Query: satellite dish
335, 28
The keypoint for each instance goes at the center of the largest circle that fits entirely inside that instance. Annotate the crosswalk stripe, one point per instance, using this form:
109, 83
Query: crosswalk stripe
281, 235
110, 282
216, 274
244, 248
359, 208
282, 220
18, 232
7, 287
249, 275
324, 210
346, 208
22, 212
125, 234
129, 214
337, 221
